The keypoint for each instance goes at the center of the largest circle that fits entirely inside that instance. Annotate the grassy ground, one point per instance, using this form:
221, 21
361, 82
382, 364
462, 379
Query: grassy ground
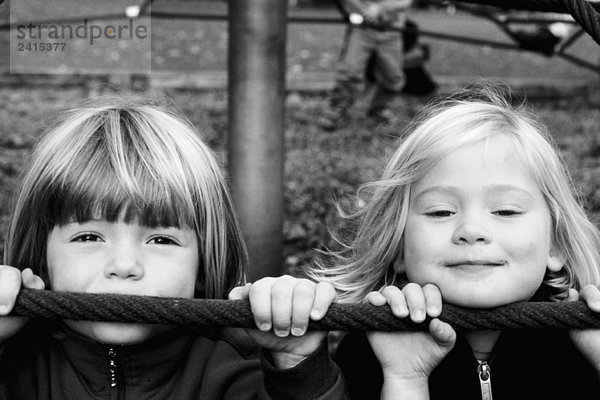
320, 167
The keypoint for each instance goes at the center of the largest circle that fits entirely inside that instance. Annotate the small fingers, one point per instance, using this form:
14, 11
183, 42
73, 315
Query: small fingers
10, 284
235, 293
240, 292
415, 299
591, 295
376, 299
572, 295
260, 303
433, 300
395, 298
30, 280
324, 295
443, 334
302, 305
282, 294
286, 304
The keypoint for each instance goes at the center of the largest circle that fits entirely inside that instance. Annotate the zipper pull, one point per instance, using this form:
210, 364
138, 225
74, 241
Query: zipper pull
112, 366
485, 380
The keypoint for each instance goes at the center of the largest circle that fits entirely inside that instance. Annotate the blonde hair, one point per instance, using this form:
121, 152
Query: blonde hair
478, 113
121, 156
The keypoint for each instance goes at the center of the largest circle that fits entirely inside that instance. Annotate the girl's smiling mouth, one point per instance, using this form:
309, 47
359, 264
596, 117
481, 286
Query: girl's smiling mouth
475, 263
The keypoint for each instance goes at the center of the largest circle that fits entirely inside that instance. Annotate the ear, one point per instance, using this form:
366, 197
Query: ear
556, 260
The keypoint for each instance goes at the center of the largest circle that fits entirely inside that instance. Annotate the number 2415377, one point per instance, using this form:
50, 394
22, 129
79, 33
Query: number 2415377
41, 46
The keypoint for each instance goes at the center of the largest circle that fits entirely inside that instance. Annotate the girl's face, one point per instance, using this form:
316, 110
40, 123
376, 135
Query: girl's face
124, 258
479, 228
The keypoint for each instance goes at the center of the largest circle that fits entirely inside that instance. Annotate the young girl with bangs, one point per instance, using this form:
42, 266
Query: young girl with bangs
122, 196
474, 208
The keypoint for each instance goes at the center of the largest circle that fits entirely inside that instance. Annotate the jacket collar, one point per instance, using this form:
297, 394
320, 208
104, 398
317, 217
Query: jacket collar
143, 367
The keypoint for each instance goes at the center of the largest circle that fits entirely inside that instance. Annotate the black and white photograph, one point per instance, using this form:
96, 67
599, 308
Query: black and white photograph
299, 199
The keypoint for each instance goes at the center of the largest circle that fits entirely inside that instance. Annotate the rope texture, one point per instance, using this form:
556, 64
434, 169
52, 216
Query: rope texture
237, 313
586, 15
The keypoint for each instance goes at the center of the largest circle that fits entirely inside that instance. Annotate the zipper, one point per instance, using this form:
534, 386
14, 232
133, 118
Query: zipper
485, 380
112, 366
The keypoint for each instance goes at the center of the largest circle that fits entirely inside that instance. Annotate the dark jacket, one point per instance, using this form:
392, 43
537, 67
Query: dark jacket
524, 365
50, 361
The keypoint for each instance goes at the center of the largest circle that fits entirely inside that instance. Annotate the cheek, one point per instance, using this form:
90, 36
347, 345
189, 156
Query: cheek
184, 278
62, 277
421, 247
189, 286
417, 256
530, 256
56, 262
65, 271
532, 246
412, 240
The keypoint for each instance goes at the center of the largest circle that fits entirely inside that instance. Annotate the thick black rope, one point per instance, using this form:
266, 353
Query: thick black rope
236, 313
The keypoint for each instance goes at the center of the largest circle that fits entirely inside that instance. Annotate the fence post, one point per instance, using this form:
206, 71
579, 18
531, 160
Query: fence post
256, 76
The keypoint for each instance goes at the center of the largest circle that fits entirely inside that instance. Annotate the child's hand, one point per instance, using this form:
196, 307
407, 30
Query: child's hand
408, 358
11, 280
286, 304
588, 340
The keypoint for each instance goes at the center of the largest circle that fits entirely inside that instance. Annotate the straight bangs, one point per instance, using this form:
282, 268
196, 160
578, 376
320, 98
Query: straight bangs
99, 190
136, 162
115, 174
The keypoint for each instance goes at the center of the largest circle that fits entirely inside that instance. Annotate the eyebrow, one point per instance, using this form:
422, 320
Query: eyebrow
488, 190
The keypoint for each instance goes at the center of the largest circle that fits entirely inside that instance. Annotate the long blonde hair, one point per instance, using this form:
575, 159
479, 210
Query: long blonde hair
479, 112
121, 156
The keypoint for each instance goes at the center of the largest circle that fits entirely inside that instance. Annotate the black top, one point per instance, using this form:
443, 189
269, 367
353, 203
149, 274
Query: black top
524, 365
47, 361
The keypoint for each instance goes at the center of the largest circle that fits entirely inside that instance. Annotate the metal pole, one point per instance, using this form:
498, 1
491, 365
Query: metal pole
256, 76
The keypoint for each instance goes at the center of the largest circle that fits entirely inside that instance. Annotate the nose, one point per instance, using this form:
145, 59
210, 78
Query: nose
124, 262
471, 232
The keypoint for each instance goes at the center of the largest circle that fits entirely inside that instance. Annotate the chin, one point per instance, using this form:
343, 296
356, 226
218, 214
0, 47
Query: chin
478, 303
482, 302
118, 333
485, 295
478, 299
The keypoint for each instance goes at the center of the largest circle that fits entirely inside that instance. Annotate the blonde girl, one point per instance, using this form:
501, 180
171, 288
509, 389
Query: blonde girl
123, 196
474, 208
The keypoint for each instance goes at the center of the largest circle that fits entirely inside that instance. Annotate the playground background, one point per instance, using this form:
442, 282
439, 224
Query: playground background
189, 66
